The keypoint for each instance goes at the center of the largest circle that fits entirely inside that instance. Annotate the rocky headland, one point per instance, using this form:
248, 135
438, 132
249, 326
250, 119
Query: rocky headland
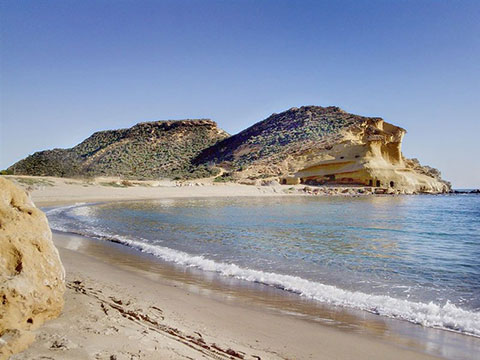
325, 146
310, 145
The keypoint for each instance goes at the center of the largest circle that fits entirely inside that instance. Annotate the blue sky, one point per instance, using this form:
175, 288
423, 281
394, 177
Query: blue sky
69, 68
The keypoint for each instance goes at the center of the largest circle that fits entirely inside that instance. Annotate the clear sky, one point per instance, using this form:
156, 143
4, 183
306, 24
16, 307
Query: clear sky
69, 68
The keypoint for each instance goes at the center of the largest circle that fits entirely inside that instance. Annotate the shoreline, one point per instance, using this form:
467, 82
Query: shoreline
115, 309
306, 342
52, 191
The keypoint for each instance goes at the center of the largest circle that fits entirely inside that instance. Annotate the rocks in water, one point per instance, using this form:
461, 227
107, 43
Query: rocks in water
475, 191
32, 277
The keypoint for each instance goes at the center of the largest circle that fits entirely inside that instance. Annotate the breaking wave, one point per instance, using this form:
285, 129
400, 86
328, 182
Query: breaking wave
447, 316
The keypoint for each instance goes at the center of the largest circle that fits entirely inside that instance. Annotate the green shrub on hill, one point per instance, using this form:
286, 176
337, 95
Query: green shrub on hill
278, 136
162, 149
189, 149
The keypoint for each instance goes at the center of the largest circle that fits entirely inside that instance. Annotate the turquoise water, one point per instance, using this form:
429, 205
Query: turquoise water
415, 258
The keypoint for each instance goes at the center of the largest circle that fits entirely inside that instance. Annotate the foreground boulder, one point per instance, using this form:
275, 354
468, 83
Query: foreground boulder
32, 278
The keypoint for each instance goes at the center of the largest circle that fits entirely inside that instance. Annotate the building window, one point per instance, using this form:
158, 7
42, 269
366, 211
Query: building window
392, 184
378, 183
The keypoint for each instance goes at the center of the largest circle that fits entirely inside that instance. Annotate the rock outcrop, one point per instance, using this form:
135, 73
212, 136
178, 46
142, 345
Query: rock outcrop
370, 153
324, 145
32, 278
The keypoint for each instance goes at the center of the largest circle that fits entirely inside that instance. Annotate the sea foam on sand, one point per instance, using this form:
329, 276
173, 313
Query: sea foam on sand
447, 316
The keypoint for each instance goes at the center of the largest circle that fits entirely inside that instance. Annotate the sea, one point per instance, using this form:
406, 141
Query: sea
409, 258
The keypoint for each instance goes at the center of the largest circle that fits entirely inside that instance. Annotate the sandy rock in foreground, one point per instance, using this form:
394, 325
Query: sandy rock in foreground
32, 277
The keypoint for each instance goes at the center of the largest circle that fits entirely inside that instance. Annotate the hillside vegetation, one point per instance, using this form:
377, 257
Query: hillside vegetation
161, 149
269, 142
281, 145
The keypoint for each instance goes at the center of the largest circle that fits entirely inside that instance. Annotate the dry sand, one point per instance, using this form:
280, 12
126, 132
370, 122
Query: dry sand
47, 191
55, 191
117, 310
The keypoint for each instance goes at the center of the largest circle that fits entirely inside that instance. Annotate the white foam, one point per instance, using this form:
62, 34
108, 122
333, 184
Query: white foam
60, 209
447, 316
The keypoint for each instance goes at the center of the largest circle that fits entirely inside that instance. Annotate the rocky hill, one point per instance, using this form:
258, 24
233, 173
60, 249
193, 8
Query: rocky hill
148, 150
310, 144
279, 137
323, 145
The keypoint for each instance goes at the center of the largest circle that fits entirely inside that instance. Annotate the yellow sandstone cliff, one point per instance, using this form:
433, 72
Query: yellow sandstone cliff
369, 154
323, 145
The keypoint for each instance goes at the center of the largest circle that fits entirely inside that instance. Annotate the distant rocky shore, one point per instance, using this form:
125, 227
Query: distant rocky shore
474, 191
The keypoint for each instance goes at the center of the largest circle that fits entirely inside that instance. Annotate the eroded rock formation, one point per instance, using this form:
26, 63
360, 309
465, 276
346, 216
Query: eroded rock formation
32, 278
324, 145
370, 154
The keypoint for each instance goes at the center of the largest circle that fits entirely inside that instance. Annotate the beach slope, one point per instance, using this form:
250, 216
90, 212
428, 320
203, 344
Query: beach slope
117, 307
115, 312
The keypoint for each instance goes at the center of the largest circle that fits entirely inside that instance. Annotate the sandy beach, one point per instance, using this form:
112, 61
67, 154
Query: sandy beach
115, 312
122, 305
231, 180
52, 191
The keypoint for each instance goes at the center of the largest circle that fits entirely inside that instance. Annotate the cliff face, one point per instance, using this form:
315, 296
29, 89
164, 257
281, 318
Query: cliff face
320, 145
146, 150
31, 274
370, 154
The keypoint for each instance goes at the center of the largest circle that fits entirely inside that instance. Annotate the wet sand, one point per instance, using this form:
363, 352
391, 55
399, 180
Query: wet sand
118, 308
